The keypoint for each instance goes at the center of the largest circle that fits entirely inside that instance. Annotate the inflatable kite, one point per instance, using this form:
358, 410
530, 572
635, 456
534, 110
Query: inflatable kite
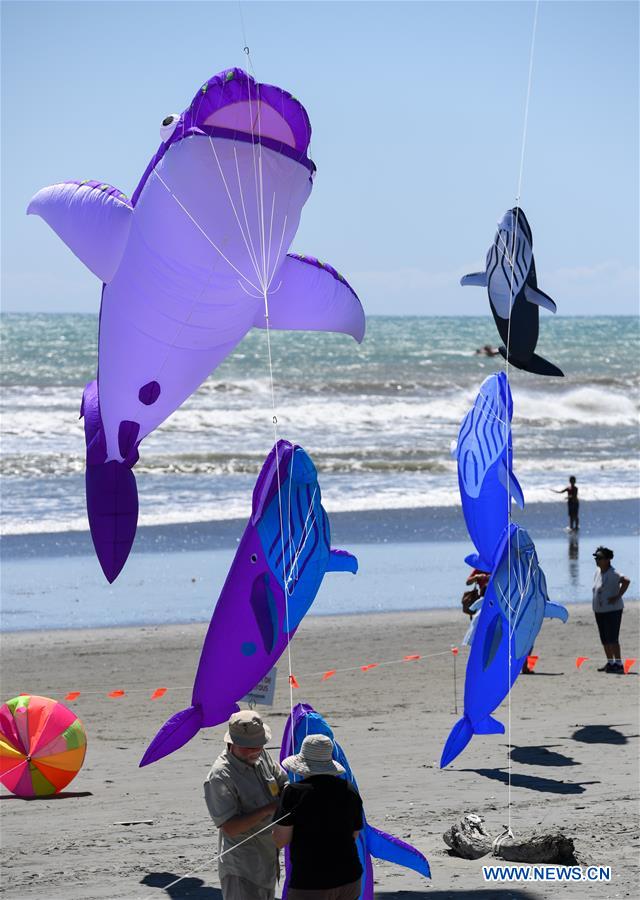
192, 262
514, 296
273, 580
304, 720
509, 620
42, 746
485, 455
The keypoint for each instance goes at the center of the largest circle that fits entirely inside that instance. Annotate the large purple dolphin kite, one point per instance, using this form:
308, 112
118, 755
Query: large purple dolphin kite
192, 262
305, 720
276, 573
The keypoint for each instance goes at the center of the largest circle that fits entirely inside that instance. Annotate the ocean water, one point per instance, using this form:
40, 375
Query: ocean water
378, 419
159, 588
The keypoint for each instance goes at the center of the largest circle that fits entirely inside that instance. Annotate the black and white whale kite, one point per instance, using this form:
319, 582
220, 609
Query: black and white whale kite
514, 296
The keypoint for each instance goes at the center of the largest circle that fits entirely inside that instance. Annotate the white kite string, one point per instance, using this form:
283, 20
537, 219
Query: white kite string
265, 282
211, 859
507, 427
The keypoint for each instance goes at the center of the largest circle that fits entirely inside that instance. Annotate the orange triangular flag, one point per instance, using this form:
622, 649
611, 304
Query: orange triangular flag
531, 662
293, 681
629, 664
580, 660
159, 692
72, 695
455, 651
329, 674
370, 666
407, 658
116, 694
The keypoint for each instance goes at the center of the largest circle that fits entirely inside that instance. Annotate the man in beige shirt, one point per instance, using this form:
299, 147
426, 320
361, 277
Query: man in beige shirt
242, 791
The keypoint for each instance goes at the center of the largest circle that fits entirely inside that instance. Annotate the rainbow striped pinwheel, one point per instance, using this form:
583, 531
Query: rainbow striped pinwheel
42, 746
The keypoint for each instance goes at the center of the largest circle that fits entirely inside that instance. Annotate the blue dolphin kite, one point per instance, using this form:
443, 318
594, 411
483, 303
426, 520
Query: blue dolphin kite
276, 573
485, 455
512, 611
304, 720
514, 296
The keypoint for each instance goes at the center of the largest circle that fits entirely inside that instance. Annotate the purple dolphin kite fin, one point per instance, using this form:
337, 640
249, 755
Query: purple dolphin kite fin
112, 495
304, 720
277, 571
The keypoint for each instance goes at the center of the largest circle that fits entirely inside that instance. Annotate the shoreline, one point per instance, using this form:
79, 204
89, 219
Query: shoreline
404, 525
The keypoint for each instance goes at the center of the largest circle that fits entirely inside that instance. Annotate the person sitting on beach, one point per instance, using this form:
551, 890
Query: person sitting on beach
323, 817
608, 588
241, 792
573, 504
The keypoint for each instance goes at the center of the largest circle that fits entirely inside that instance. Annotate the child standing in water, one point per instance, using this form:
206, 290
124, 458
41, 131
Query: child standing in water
573, 504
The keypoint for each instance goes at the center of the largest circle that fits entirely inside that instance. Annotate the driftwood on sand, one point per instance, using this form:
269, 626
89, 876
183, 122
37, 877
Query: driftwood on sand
470, 840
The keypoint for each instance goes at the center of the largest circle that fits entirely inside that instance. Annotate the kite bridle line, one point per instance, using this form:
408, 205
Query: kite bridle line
265, 284
258, 286
507, 424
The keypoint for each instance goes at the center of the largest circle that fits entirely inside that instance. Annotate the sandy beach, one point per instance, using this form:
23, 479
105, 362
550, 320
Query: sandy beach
574, 757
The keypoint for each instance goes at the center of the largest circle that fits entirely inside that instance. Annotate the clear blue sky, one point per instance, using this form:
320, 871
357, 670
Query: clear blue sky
417, 111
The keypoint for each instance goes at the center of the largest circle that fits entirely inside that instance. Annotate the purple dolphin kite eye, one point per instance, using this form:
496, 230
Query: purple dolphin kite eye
169, 126
161, 310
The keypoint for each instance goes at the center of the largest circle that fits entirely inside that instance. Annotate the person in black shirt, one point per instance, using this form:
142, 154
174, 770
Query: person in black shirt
322, 819
573, 504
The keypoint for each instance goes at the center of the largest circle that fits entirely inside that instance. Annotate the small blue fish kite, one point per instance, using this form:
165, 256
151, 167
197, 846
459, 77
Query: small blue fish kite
509, 620
514, 296
485, 475
304, 720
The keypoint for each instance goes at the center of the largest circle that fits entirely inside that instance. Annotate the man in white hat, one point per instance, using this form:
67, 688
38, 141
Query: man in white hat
242, 791
323, 817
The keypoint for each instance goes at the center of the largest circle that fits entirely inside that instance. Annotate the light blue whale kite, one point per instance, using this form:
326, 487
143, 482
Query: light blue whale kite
484, 453
512, 611
304, 720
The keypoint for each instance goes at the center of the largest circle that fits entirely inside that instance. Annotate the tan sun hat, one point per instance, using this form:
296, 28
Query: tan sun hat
246, 729
315, 758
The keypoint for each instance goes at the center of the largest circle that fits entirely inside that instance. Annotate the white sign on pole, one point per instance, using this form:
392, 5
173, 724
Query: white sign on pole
264, 690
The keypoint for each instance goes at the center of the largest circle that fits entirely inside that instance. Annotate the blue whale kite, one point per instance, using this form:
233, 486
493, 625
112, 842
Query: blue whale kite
304, 720
273, 580
189, 265
485, 476
514, 296
509, 620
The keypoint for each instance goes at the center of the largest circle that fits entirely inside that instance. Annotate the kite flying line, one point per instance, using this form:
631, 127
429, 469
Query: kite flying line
512, 260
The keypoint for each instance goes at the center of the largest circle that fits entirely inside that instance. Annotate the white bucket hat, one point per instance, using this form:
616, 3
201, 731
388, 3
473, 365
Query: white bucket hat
315, 758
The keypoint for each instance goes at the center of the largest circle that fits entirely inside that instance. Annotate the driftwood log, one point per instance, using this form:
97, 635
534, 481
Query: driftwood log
536, 847
470, 840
